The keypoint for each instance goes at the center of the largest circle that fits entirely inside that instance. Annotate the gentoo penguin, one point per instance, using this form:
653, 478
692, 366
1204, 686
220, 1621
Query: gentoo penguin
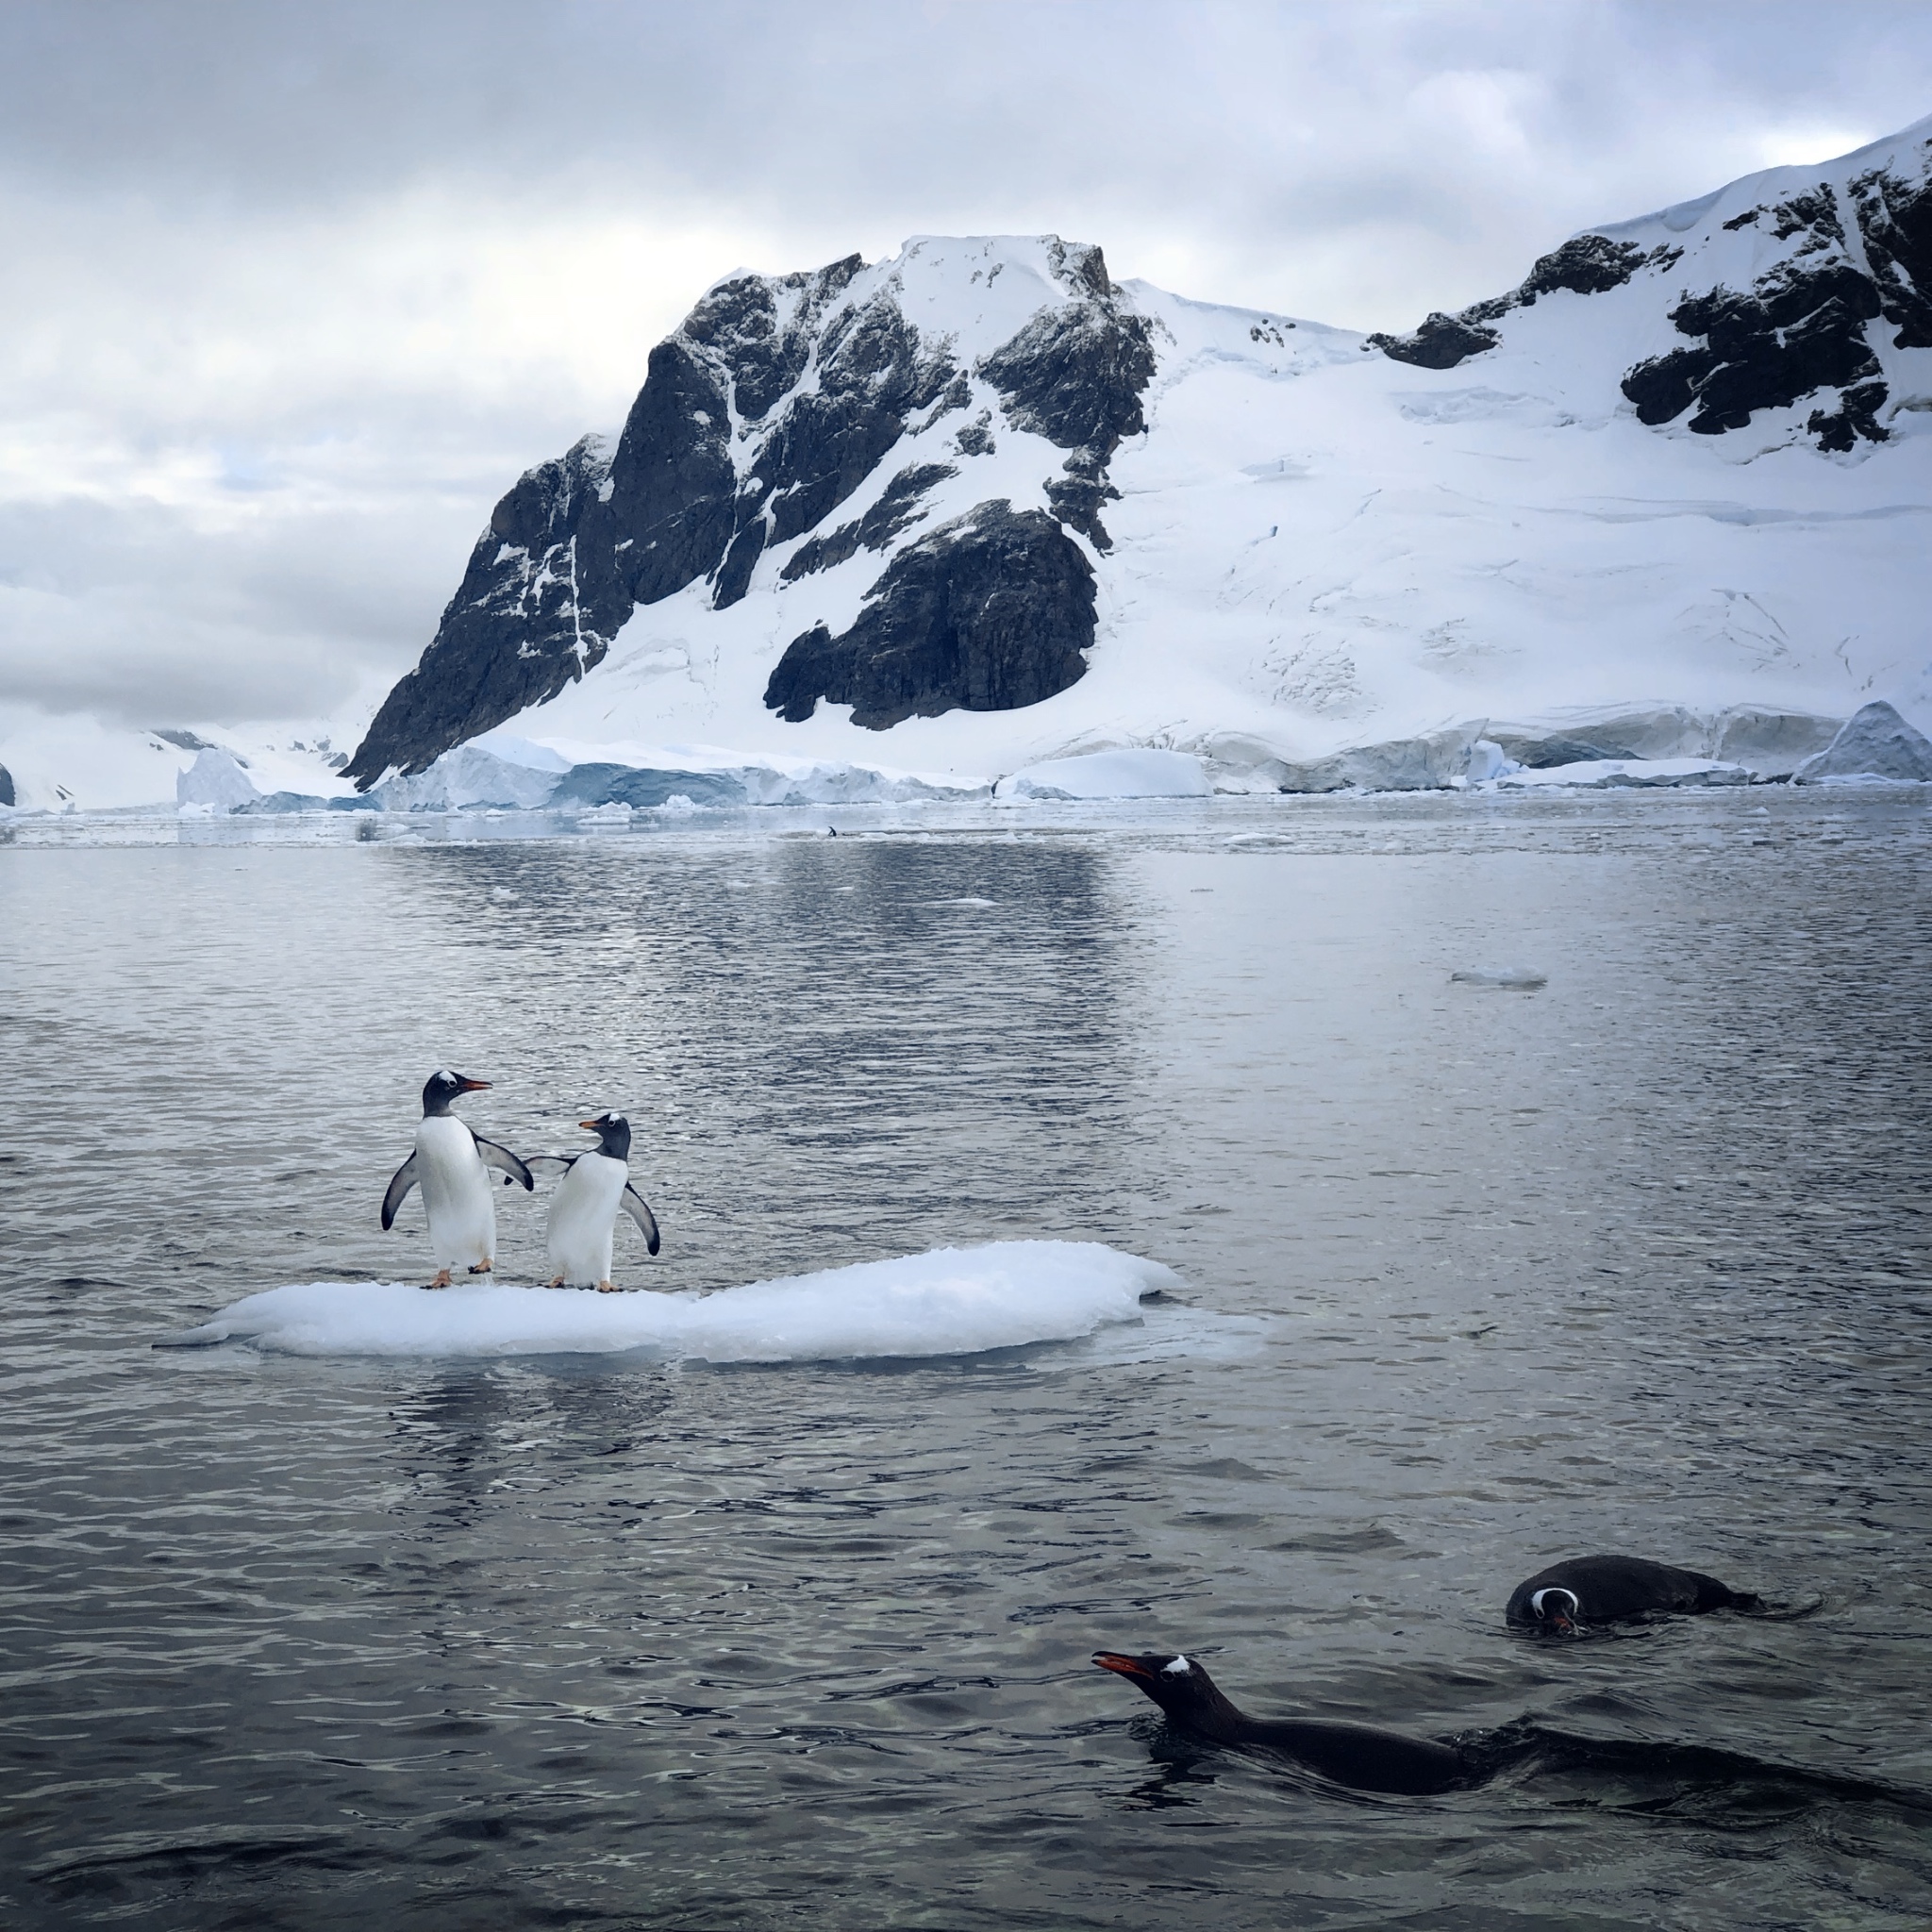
583, 1211
1359, 1756
1602, 1589
449, 1162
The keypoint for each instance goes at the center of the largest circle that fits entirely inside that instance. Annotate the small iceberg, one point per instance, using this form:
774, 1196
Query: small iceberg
1511, 978
949, 1301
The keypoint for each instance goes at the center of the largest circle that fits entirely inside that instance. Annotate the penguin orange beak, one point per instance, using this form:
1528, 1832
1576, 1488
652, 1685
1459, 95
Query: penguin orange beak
1122, 1666
591, 1124
471, 1086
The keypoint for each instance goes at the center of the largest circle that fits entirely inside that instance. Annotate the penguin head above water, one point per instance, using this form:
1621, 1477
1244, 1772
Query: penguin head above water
1179, 1685
443, 1087
1555, 1608
613, 1134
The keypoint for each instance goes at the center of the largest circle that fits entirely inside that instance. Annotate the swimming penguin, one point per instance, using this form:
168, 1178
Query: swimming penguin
449, 1162
1360, 1755
583, 1211
1603, 1589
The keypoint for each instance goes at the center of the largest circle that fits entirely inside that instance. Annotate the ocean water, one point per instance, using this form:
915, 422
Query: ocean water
1474, 1278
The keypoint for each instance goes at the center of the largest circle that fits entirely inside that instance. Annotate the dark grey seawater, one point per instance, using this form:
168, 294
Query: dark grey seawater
1638, 1261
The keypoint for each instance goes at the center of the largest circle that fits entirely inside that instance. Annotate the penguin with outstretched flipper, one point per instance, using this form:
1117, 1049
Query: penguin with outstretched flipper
449, 1165
583, 1211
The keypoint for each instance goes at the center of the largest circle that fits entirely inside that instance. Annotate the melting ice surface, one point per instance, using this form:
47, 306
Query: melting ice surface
949, 1301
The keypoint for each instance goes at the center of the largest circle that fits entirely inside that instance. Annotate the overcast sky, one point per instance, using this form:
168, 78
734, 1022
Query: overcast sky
295, 292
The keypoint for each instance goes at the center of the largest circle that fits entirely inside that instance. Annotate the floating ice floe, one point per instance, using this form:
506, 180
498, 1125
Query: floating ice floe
951, 1300
1511, 978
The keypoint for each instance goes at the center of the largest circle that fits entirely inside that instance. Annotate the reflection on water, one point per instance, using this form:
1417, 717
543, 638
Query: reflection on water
1636, 1260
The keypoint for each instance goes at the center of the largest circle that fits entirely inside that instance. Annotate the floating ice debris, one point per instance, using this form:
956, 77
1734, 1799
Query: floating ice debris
1516, 978
951, 1300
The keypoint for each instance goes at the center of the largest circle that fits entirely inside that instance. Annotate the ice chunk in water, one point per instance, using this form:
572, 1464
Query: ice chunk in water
951, 1300
1517, 979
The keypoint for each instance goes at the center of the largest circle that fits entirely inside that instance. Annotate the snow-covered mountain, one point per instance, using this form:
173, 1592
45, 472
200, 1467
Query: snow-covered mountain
984, 501
979, 506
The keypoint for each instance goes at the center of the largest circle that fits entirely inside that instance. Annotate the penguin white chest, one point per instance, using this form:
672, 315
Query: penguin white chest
456, 1193
581, 1214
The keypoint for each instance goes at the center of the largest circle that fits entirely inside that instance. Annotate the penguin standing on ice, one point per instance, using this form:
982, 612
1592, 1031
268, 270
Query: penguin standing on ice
583, 1211
449, 1163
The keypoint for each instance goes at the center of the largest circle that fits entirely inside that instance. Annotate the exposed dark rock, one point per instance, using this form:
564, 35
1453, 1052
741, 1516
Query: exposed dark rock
871, 379
989, 612
6, 786
976, 438
897, 508
514, 633
636, 786
1439, 341
1585, 265
1742, 221
1763, 351
1076, 498
184, 740
1894, 219
1075, 377
1856, 415
1798, 329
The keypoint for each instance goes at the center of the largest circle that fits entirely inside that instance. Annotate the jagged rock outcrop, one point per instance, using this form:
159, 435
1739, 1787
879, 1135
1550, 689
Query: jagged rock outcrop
1586, 264
988, 613
1875, 744
778, 401
6, 786
1820, 263
1799, 328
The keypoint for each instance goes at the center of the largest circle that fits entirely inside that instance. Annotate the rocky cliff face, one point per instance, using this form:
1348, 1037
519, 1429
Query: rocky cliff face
777, 400
1781, 302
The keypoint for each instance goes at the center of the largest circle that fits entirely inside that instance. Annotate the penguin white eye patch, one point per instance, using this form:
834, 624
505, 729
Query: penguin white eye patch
1537, 1602
1178, 1668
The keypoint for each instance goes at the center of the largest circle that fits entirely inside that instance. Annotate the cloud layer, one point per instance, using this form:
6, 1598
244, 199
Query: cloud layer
295, 293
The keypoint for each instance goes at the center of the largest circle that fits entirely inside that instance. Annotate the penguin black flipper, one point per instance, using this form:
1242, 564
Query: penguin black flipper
404, 1178
639, 1209
505, 1161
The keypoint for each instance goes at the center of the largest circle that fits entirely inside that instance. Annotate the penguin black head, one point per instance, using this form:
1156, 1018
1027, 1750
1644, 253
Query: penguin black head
443, 1087
1555, 1607
1177, 1684
613, 1132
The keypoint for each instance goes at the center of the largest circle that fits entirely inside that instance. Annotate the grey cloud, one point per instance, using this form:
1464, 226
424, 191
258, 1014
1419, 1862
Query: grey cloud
235, 228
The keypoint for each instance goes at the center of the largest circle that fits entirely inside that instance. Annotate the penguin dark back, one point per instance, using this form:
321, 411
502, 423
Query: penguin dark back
1362, 1756
1611, 1589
